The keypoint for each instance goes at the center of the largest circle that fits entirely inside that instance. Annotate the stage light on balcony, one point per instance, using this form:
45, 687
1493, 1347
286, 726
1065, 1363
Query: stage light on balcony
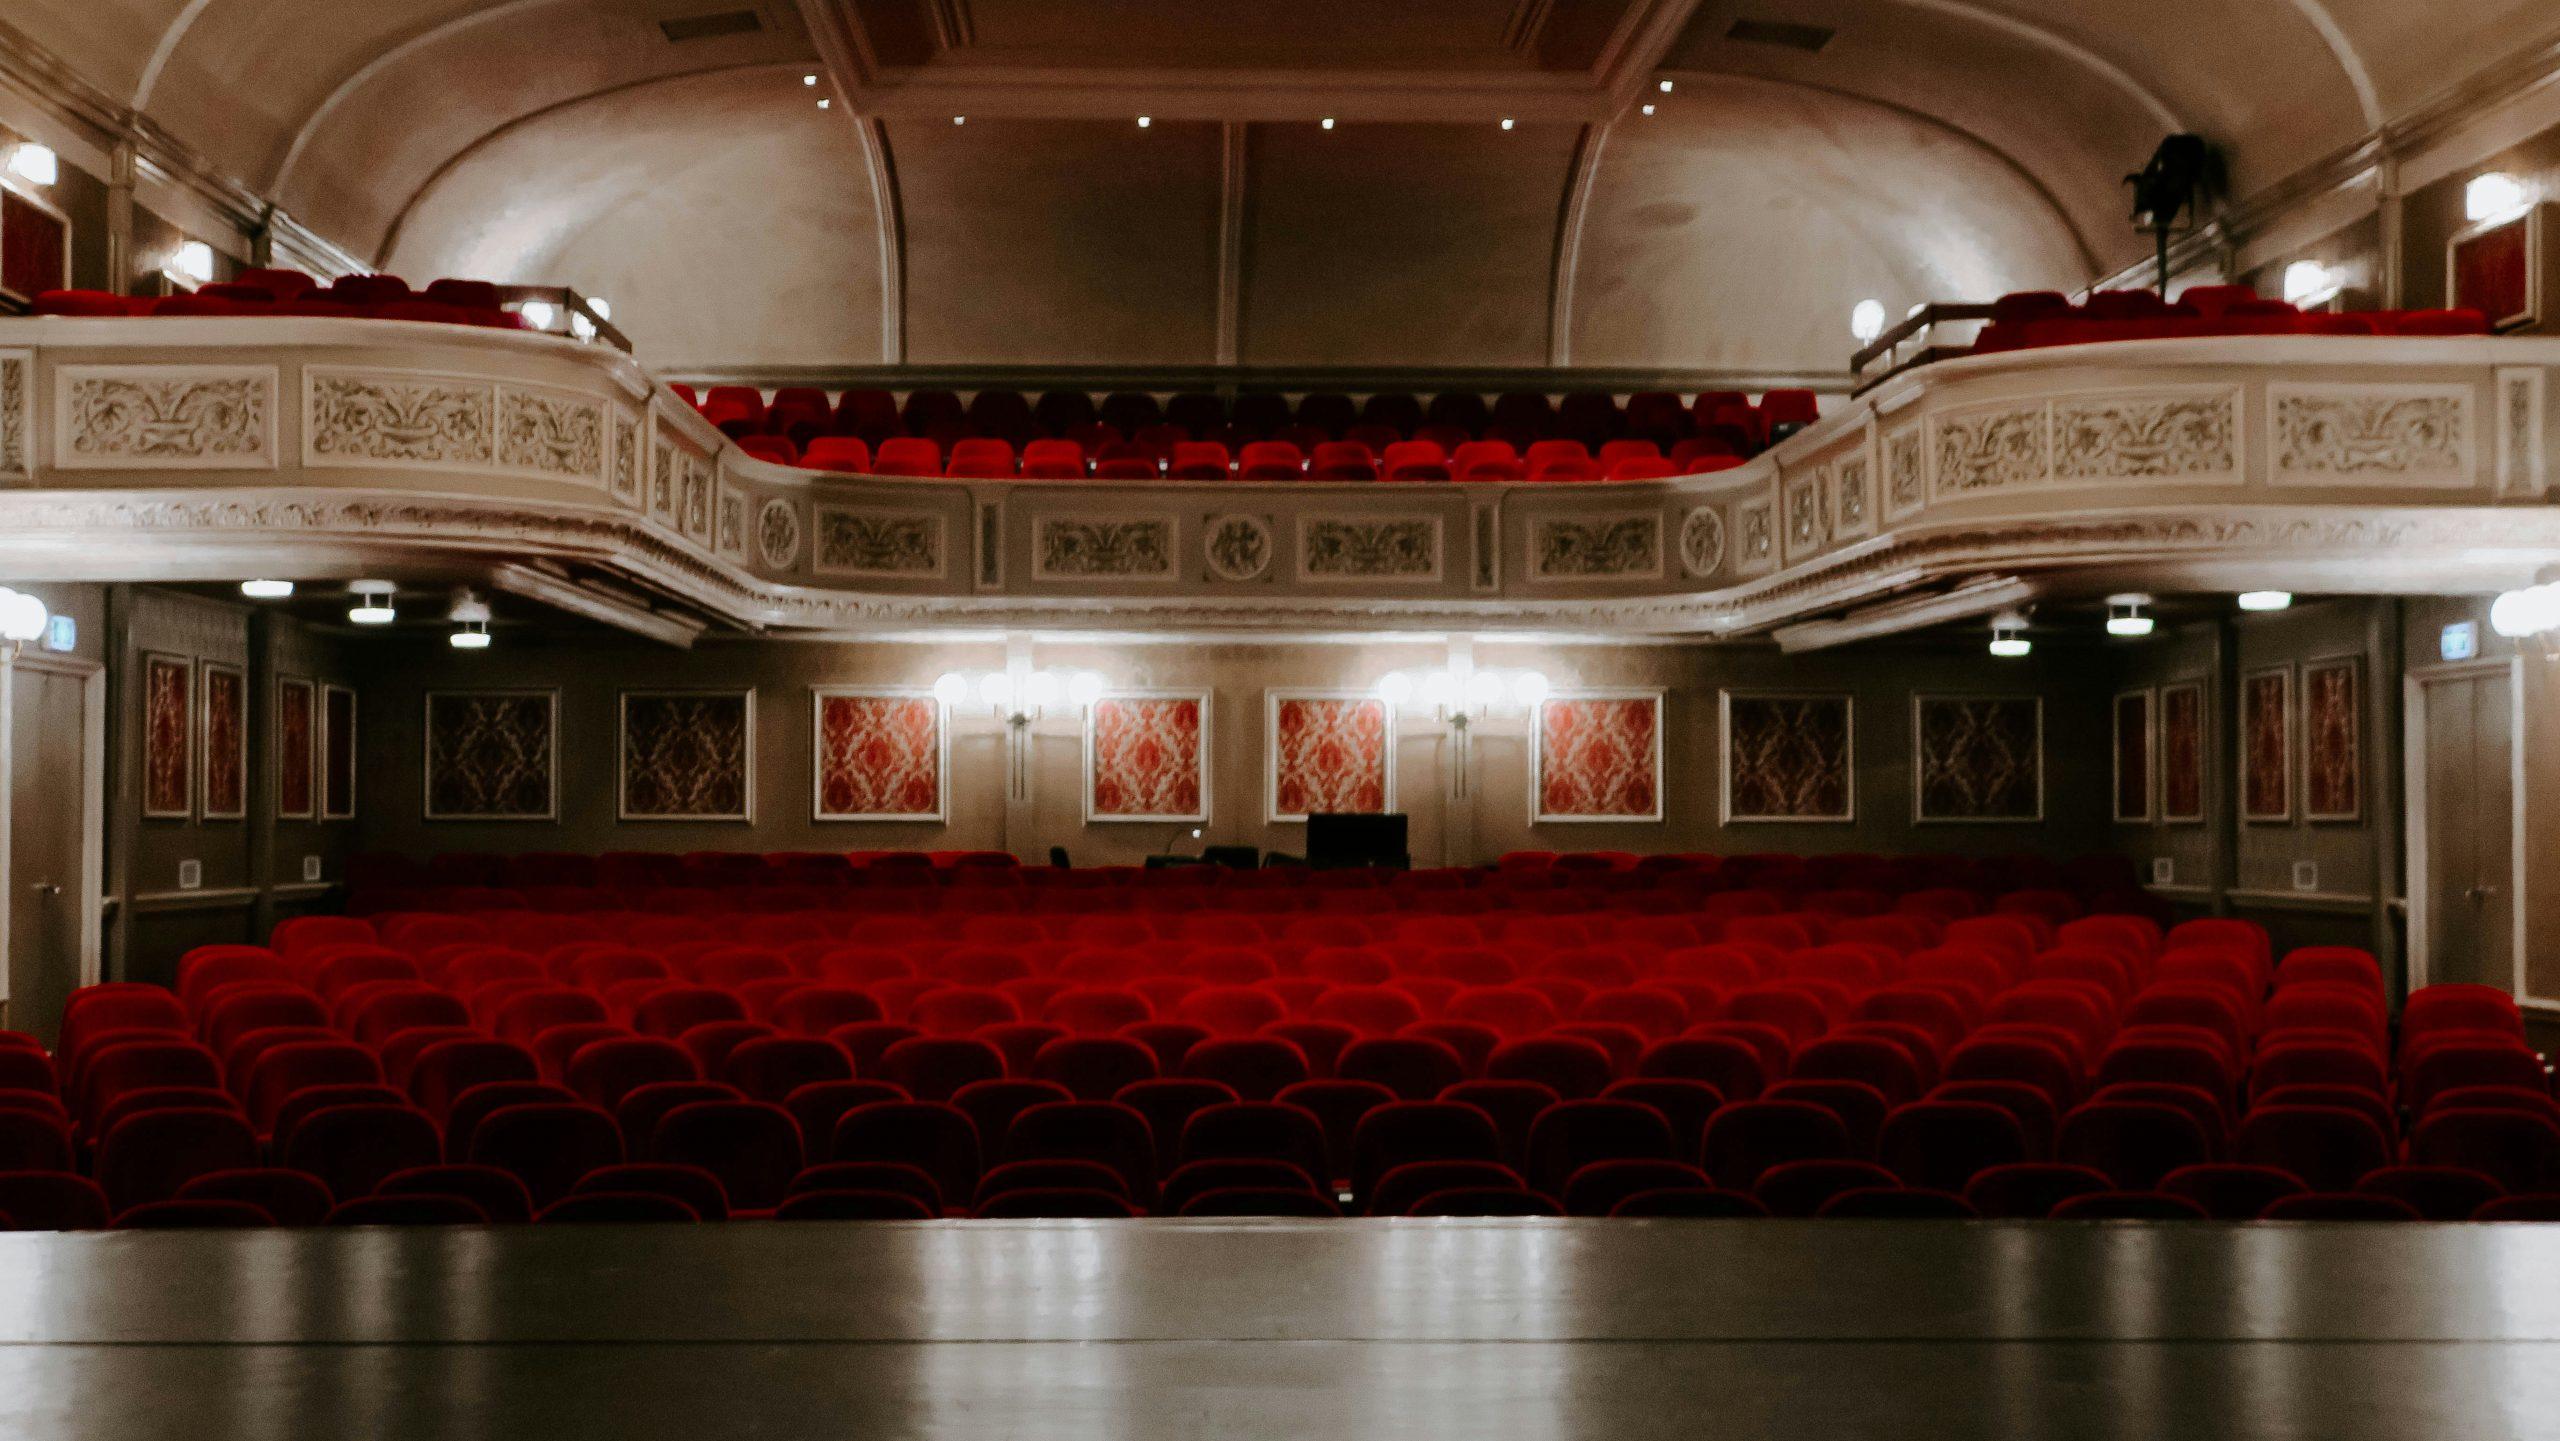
601, 306
996, 688
1395, 688
2009, 636
2125, 617
22, 617
192, 263
1084, 688
1528, 689
1042, 688
2308, 282
951, 688
1145, 120
1506, 122
580, 327
376, 602
1866, 321
267, 589
2265, 599
2495, 196
35, 164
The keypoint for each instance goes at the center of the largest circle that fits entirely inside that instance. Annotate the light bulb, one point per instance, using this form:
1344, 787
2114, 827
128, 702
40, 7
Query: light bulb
808, 79
1866, 321
2009, 635
1084, 688
2125, 617
376, 603
193, 263
996, 689
1528, 689
1484, 688
601, 306
2265, 599
959, 119
1648, 110
22, 616
266, 589
1439, 688
1328, 122
826, 105
1506, 122
1145, 120
2494, 195
951, 688
1041, 688
1666, 87
35, 164
539, 314
1395, 688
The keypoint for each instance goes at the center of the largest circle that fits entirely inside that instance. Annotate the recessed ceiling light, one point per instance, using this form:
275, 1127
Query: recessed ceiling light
1648, 110
959, 119
1506, 122
1666, 87
1328, 122
808, 79
266, 589
1145, 120
826, 104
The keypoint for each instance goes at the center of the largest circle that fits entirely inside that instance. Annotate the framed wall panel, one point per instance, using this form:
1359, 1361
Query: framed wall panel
1788, 758
2136, 755
223, 697
2333, 739
337, 753
1327, 752
2182, 753
297, 748
878, 755
2266, 745
492, 755
1596, 755
168, 737
1977, 759
687, 755
1146, 757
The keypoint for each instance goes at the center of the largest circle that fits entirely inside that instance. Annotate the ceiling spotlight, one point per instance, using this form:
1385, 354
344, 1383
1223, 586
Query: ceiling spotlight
1665, 87
2265, 599
35, 164
1327, 122
1506, 122
1145, 120
2495, 196
959, 119
1866, 321
2009, 635
266, 589
374, 602
952, 688
826, 104
808, 79
2125, 617
470, 635
1648, 110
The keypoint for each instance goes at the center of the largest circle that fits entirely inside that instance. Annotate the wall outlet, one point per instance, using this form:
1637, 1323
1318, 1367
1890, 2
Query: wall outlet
190, 875
311, 868
2164, 871
2306, 875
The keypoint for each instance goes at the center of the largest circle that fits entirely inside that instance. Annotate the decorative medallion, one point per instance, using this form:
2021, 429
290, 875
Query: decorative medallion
1977, 758
1238, 547
168, 737
1390, 549
1759, 531
492, 755
868, 541
1072, 548
180, 417
1609, 547
388, 418
1597, 756
880, 756
2333, 739
1788, 758
224, 691
778, 534
1329, 754
2178, 435
2372, 434
1702, 540
688, 756
1146, 758
1983, 450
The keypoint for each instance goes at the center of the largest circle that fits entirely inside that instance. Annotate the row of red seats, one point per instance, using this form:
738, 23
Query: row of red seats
1265, 460
2034, 320
1593, 418
271, 292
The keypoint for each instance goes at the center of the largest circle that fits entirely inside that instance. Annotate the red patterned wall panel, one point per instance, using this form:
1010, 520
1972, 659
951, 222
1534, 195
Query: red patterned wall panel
2332, 740
337, 753
168, 737
2133, 756
1330, 755
688, 755
1787, 758
1980, 758
2266, 749
879, 756
296, 716
225, 691
1598, 757
1146, 759
2182, 753
492, 755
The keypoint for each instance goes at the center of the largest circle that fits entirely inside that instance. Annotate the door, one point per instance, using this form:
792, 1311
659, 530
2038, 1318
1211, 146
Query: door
47, 789
2470, 820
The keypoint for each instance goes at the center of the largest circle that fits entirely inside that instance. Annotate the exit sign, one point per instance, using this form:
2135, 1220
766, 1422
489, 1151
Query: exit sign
2460, 641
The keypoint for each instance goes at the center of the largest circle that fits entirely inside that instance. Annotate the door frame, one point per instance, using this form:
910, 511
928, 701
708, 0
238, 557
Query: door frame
92, 884
2413, 770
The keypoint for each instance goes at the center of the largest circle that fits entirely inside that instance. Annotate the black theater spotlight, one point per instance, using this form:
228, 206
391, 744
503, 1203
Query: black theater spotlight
2181, 173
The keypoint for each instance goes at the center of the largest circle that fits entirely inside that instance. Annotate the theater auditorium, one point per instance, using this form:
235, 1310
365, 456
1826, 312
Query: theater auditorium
996, 718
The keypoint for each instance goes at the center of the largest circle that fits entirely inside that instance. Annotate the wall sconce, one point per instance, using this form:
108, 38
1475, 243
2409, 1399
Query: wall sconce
2308, 282
2495, 196
1018, 706
22, 619
35, 164
1460, 701
2530, 614
191, 264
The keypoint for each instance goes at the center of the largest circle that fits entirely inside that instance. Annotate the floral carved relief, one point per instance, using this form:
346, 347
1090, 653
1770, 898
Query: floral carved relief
1562, 548
1403, 548
888, 543
1069, 548
365, 417
199, 417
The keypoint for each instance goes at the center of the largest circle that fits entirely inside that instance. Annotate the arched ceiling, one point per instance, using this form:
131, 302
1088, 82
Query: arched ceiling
378, 124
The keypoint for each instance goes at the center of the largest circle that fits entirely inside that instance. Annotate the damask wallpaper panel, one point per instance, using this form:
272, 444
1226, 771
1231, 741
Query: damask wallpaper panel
1596, 755
879, 755
168, 737
224, 691
688, 756
297, 749
2333, 739
1327, 753
1788, 757
2182, 753
1146, 757
1977, 758
493, 755
2266, 745
337, 753
2136, 756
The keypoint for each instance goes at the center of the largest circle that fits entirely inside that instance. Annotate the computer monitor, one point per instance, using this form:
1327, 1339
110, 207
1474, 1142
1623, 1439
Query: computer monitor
1337, 841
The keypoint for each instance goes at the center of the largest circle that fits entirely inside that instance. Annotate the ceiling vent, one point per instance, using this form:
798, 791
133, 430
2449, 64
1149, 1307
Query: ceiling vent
711, 26
1808, 38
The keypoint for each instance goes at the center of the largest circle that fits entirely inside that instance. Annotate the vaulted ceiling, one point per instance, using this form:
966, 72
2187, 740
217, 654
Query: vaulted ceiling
1813, 152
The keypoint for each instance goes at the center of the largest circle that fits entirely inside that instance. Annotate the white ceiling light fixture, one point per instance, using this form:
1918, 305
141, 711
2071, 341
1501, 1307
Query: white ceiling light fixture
2265, 599
1506, 122
2307, 282
995, 688
376, 602
2009, 636
2495, 196
1648, 110
1664, 87
35, 164
1866, 321
1327, 122
959, 119
2535, 610
267, 589
470, 635
808, 79
825, 103
2125, 617
1145, 120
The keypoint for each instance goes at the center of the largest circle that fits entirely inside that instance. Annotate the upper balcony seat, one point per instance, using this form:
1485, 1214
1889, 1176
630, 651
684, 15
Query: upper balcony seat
981, 458
1200, 460
1052, 459
1415, 460
907, 455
